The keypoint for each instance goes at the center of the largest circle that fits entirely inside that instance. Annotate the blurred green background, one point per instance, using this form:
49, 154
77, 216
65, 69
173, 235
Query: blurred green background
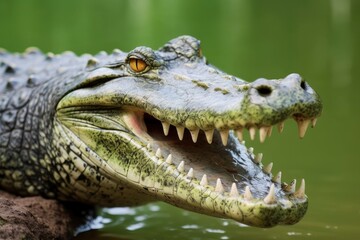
247, 38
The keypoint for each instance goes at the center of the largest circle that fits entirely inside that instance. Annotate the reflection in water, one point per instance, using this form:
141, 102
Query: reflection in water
154, 221
134, 223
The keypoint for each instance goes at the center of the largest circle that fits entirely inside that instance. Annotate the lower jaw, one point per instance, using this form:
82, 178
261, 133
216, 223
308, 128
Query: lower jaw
187, 193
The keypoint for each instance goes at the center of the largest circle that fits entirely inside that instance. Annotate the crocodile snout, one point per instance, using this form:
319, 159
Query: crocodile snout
291, 83
272, 101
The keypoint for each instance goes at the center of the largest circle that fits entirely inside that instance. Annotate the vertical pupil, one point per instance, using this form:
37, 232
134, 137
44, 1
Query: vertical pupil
137, 65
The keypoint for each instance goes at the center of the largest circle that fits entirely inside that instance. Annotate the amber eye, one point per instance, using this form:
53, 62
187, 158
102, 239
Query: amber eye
137, 65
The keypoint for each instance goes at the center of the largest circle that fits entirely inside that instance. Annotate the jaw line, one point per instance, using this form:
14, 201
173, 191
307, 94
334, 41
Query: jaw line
265, 207
233, 163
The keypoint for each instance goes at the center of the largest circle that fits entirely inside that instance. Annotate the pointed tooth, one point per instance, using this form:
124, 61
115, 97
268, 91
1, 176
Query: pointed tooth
263, 133
313, 122
180, 131
277, 178
247, 194
291, 187
224, 134
300, 193
166, 127
148, 146
252, 132
180, 168
233, 191
251, 150
209, 135
281, 126
190, 174
169, 159
268, 168
158, 153
204, 181
194, 134
303, 125
269, 131
219, 187
258, 158
271, 198
239, 134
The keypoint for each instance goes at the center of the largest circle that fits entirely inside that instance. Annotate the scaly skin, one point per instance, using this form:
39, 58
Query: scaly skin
126, 129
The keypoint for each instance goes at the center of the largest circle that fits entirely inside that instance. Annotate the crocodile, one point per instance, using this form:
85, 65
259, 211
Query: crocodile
125, 129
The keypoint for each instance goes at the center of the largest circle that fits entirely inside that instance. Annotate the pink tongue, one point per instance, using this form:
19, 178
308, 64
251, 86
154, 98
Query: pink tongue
135, 122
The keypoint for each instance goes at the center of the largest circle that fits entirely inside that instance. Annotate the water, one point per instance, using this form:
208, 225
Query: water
250, 39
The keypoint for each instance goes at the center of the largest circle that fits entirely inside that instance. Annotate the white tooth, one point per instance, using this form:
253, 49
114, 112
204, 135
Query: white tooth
209, 135
313, 122
300, 193
219, 187
194, 134
250, 150
169, 159
281, 126
291, 187
224, 134
204, 181
270, 198
190, 173
180, 168
252, 131
233, 191
239, 134
180, 131
158, 153
148, 146
269, 132
247, 194
258, 158
263, 134
277, 178
166, 127
303, 125
268, 168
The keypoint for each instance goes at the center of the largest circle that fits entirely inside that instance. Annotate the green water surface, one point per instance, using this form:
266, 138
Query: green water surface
319, 39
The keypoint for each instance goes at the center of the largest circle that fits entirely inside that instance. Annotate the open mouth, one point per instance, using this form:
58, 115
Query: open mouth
218, 159
166, 125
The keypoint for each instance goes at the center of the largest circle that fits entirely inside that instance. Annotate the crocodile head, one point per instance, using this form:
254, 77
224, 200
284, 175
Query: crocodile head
166, 125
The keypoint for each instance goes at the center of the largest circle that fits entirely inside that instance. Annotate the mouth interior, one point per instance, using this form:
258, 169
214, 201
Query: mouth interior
232, 163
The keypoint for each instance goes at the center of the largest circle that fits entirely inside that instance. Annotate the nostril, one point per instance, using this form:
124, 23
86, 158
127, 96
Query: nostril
303, 85
264, 90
